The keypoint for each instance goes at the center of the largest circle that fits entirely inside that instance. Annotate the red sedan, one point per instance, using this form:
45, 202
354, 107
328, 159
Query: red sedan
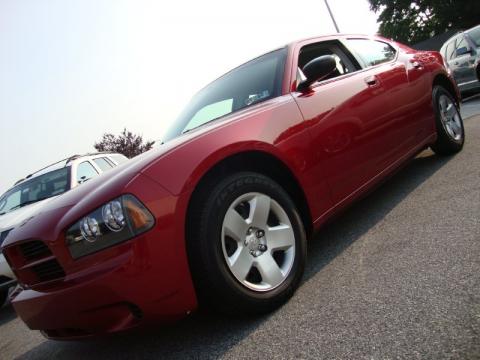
219, 215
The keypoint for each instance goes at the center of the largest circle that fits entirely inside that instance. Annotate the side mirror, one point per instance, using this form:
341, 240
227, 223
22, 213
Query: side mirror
317, 69
463, 50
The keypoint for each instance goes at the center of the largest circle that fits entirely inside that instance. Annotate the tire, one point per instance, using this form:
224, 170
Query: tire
449, 123
222, 245
3, 296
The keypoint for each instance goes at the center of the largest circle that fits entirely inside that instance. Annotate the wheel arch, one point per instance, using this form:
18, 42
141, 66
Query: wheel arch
263, 163
444, 81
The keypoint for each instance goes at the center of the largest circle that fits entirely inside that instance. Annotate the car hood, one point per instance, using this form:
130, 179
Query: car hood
12, 219
61, 212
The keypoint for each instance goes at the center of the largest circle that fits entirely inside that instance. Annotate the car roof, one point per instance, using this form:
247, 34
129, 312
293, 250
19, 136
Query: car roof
71, 160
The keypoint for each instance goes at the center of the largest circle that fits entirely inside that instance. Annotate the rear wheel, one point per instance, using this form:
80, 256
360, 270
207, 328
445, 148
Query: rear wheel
247, 245
449, 123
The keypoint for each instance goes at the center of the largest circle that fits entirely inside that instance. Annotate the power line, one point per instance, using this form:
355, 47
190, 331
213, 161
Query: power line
331, 15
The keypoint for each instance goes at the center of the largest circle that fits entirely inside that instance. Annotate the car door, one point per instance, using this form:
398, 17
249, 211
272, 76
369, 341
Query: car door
462, 65
353, 130
406, 80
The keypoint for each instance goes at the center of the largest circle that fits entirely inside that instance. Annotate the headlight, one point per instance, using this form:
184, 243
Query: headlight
118, 220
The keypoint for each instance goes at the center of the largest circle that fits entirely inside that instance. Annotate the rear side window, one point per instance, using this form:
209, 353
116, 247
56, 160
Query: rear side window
372, 52
118, 158
103, 164
85, 171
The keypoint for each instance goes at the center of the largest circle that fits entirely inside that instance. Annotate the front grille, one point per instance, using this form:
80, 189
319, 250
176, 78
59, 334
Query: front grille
34, 263
34, 250
49, 270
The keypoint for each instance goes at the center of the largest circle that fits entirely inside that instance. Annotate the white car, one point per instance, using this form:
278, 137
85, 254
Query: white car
27, 195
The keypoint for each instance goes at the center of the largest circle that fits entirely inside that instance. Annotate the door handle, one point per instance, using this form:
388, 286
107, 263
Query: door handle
371, 81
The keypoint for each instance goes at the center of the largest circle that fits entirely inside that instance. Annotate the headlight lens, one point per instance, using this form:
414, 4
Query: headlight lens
118, 220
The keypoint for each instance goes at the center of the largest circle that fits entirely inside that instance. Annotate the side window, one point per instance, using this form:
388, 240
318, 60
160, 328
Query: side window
210, 112
10, 201
345, 64
372, 52
461, 42
103, 164
85, 171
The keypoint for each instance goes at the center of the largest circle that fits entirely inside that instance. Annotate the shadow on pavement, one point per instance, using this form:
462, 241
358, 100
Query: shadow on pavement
7, 314
208, 336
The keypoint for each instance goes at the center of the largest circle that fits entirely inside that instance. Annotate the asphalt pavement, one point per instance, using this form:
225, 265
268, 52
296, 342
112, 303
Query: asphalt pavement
396, 276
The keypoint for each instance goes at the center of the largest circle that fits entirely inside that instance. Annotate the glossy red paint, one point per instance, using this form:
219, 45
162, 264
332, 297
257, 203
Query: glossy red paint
338, 139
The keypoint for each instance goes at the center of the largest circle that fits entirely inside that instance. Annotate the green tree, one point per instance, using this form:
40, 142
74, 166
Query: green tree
126, 143
411, 22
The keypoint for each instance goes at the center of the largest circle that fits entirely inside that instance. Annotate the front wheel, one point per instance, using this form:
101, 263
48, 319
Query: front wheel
449, 123
247, 245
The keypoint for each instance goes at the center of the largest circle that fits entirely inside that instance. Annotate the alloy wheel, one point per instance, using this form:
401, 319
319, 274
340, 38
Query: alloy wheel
258, 242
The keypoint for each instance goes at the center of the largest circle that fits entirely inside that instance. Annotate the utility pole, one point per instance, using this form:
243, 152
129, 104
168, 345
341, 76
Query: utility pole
331, 15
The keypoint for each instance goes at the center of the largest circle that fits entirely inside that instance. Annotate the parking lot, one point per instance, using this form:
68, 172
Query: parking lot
396, 276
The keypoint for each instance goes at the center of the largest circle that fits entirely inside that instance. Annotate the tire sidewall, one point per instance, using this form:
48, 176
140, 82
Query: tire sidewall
222, 197
442, 132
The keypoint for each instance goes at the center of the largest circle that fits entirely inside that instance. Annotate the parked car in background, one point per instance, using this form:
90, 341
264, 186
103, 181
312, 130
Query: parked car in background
219, 215
462, 57
28, 195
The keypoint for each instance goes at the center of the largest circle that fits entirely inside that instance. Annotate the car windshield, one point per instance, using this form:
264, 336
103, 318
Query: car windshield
475, 35
253, 82
38, 188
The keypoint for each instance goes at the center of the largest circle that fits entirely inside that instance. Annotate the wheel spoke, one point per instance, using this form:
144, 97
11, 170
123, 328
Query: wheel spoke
280, 237
443, 103
259, 210
235, 226
451, 111
269, 270
241, 263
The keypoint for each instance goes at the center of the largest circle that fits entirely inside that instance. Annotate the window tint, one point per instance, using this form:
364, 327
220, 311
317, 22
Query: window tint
85, 171
372, 52
10, 201
103, 164
35, 189
210, 112
333, 48
461, 42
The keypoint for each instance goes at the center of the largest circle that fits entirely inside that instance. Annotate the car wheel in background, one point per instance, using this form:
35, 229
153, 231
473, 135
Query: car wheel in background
247, 245
449, 123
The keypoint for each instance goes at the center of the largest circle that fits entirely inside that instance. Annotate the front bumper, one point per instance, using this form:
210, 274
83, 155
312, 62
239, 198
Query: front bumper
142, 281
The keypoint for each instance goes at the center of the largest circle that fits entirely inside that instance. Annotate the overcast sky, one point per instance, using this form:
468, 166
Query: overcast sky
71, 70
